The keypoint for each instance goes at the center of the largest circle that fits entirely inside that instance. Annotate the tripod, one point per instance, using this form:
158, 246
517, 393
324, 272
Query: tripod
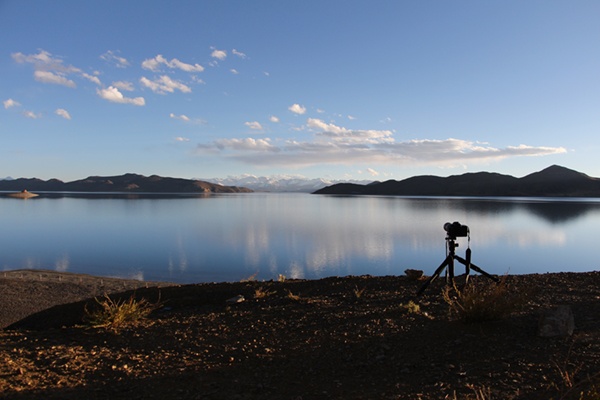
451, 245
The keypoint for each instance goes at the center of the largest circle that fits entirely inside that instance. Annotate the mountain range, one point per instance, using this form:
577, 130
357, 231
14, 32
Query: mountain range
552, 181
123, 183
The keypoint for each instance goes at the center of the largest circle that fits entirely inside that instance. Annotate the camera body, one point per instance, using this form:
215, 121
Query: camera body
456, 229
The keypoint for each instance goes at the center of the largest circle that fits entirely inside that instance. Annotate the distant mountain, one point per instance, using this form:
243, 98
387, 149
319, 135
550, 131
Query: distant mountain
122, 183
278, 183
552, 181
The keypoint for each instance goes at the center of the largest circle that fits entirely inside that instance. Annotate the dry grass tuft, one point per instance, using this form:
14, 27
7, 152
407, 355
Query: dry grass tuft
482, 393
411, 307
483, 301
479, 393
261, 293
571, 386
251, 278
358, 292
115, 314
292, 296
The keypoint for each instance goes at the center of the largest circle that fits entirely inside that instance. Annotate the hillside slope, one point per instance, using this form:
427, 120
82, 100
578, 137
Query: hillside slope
122, 183
552, 181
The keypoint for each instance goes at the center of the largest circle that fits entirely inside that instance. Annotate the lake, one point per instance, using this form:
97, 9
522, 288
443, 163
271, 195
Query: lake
214, 238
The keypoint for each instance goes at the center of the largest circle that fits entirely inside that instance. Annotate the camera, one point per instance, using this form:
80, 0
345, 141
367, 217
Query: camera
455, 229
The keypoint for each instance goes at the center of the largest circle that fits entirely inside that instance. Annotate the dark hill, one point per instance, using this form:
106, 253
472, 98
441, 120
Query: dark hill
122, 183
552, 181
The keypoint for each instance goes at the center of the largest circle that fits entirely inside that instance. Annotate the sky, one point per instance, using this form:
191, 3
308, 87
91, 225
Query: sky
328, 89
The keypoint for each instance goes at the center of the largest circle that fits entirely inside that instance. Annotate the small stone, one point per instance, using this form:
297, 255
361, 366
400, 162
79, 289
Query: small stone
237, 299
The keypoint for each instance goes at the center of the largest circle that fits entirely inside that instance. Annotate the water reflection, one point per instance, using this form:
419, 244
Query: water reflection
235, 236
555, 210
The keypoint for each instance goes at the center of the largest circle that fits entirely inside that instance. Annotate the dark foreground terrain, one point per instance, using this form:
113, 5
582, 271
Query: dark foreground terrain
335, 338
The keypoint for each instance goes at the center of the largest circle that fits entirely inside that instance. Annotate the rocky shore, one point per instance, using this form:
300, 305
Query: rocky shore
335, 338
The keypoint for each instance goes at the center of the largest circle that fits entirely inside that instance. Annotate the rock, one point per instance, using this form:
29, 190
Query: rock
237, 299
23, 194
415, 274
558, 321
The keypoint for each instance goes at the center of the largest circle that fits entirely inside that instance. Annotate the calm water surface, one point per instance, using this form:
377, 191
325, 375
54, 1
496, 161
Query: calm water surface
233, 237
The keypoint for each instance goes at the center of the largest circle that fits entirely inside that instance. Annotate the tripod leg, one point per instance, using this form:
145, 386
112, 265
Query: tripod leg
450, 275
435, 275
468, 266
482, 272
477, 269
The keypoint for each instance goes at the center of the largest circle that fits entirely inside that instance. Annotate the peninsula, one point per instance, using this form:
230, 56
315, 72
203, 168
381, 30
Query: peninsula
128, 183
554, 181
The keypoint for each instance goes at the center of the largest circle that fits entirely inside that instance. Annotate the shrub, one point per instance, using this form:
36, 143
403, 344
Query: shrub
482, 301
115, 314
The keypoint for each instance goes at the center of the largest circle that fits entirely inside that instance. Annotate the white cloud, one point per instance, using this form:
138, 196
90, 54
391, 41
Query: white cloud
344, 135
297, 109
234, 71
112, 94
336, 145
51, 77
61, 112
123, 85
51, 69
219, 54
111, 57
92, 78
181, 139
164, 84
255, 125
41, 57
10, 103
32, 115
372, 172
45, 61
181, 117
175, 63
238, 53
351, 118
246, 144
273, 118
153, 64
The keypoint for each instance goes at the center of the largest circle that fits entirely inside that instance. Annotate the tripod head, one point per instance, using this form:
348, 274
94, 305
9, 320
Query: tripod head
455, 229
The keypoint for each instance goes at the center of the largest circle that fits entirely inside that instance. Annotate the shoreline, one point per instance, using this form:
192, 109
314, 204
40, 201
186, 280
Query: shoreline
65, 276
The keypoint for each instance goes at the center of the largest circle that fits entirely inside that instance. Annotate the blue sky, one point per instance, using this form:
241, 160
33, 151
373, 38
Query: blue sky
331, 89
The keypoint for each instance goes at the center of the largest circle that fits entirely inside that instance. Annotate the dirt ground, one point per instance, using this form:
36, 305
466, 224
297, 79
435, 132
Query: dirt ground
334, 338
